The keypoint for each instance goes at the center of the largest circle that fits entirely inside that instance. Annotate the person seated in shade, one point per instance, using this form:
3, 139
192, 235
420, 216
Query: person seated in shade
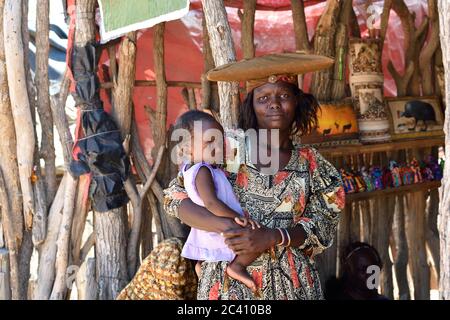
355, 283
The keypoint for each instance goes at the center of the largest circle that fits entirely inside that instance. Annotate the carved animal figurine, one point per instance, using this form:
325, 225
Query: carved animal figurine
377, 176
367, 179
420, 111
395, 172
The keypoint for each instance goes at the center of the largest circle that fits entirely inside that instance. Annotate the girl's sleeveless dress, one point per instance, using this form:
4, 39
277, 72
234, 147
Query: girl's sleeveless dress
204, 245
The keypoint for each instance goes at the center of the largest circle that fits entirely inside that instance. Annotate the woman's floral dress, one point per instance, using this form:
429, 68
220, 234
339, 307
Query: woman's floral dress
307, 192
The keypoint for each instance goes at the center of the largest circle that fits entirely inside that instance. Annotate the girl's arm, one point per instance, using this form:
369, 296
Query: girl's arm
206, 190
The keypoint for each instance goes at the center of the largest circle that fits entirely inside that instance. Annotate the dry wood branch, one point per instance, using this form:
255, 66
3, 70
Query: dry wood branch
223, 51
62, 256
385, 20
136, 200
159, 126
247, 28
47, 251
47, 150
300, 28
7, 221
14, 56
82, 206
90, 242
8, 160
123, 91
58, 104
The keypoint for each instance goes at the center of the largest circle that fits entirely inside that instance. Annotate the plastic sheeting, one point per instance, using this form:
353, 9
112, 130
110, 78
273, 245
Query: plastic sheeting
273, 33
98, 149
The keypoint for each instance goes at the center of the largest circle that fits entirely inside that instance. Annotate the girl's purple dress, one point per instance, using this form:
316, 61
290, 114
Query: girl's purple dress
203, 245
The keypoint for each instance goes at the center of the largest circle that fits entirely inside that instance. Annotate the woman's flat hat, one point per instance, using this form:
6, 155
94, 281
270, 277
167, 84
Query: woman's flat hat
270, 65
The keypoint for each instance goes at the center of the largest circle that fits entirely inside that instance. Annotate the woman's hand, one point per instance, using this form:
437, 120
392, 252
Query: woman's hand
249, 241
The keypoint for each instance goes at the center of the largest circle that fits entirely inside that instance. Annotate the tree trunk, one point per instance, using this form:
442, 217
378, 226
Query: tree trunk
23, 123
111, 253
223, 52
444, 205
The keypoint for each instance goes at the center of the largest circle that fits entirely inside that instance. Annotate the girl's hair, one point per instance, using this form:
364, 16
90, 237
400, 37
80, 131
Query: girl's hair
354, 247
187, 119
305, 118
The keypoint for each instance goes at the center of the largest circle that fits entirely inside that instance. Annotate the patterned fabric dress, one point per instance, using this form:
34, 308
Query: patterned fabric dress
307, 192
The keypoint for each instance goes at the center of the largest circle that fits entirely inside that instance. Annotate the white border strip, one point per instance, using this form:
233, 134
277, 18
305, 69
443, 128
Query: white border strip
116, 33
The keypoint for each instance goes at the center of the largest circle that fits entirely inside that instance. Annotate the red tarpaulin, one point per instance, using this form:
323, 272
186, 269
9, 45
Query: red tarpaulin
273, 33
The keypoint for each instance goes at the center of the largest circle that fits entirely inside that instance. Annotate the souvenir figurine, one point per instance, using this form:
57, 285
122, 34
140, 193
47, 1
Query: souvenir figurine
359, 182
387, 178
348, 181
407, 175
377, 177
395, 172
436, 169
367, 179
416, 171
426, 172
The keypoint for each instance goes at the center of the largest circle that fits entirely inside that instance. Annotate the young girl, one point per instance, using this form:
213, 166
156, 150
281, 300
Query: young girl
207, 186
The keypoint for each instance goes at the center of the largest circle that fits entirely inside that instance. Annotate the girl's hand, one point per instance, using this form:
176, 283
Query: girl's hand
249, 241
244, 222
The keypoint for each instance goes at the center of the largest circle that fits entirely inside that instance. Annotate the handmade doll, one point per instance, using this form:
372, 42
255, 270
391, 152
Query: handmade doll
387, 178
407, 175
395, 172
377, 177
367, 179
359, 182
416, 171
426, 172
435, 168
348, 181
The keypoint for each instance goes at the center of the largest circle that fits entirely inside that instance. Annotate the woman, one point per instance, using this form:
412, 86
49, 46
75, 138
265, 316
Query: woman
298, 206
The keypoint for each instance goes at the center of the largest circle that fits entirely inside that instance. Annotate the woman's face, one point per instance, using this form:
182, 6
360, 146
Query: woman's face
274, 105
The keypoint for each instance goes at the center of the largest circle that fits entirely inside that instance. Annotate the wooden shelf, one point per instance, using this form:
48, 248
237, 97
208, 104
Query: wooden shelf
428, 185
345, 150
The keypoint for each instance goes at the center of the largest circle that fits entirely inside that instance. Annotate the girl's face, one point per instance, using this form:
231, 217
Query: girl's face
274, 105
207, 143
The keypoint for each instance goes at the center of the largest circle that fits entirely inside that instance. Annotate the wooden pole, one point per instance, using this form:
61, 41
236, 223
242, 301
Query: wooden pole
324, 44
223, 51
5, 289
444, 207
47, 150
23, 123
300, 27
8, 164
247, 28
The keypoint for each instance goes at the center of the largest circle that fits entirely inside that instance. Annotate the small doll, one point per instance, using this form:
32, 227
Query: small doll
395, 172
359, 182
348, 181
435, 168
407, 175
377, 177
387, 178
367, 179
426, 172
416, 170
